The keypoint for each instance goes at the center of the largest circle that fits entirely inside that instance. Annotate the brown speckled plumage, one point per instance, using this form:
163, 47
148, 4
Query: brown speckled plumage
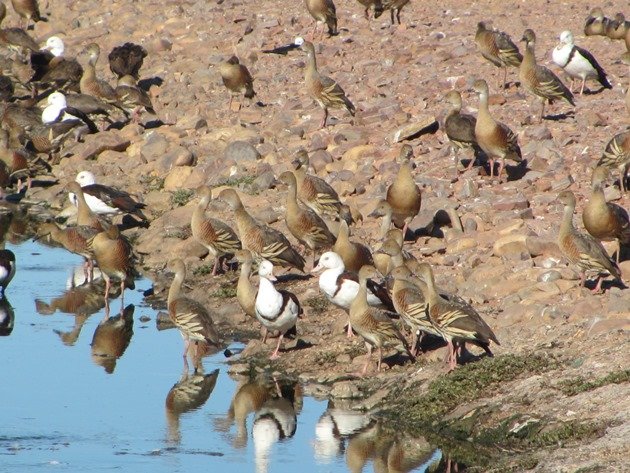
539, 80
582, 249
372, 324
457, 321
126, 60
493, 137
189, 316
498, 48
617, 155
263, 241
218, 237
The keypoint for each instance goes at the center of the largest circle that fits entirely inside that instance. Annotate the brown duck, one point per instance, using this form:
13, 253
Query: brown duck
493, 137
605, 220
218, 237
498, 48
237, 79
403, 195
189, 316
263, 241
354, 255
617, 155
539, 80
582, 249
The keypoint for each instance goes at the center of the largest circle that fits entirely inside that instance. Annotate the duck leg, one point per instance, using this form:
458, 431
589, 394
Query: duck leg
323, 124
491, 167
215, 268
107, 287
122, 294
582, 88
276, 354
185, 355
367, 362
380, 358
598, 288
349, 333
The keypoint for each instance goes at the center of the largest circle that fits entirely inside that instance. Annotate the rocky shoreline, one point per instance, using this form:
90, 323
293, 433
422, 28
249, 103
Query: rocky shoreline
556, 396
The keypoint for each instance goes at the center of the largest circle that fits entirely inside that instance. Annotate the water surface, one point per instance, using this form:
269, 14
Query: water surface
79, 394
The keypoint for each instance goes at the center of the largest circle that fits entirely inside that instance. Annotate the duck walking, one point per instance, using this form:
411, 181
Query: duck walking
578, 62
539, 80
324, 12
189, 316
237, 79
455, 320
275, 310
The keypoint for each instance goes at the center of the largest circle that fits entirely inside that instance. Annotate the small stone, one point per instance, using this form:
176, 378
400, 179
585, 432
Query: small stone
513, 244
239, 151
421, 126
345, 390
549, 276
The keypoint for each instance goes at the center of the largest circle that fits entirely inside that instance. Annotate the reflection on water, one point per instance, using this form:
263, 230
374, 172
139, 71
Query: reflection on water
111, 338
190, 393
7, 317
259, 423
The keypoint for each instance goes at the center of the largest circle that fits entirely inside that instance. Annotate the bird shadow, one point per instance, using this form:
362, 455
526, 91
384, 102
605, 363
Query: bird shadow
515, 173
559, 116
288, 277
145, 84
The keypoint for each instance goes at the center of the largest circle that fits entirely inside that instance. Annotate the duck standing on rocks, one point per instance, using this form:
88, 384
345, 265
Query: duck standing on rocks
90, 84
237, 79
578, 62
304, 224
218, 237
126, 60
324, 90
15, 38
275, 310
189, 316
373, 324
132, 98
341, 287
617, 155
582, 249
85, 216
7, 269
316, 193
114, 257
375, 4
324, 12
605, 220
596, 23
456, 321
106, 200
539, 80
404, 195
498, 48
263, 241
493, 137
52, 66
353, 254
28, 10
394, 7
460, 128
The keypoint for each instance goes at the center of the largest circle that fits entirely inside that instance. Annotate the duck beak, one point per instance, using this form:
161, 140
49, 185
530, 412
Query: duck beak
282, 49
317, 268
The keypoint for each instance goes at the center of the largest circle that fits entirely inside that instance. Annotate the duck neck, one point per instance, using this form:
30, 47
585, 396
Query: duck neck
84, 214
566, 226
360, 300
292, 205
386, 222
200, 210
431, 294
176, 285
311, 64
597, 195
484, 112
529, 58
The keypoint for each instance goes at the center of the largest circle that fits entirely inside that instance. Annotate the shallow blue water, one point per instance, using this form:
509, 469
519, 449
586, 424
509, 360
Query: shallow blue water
61, 411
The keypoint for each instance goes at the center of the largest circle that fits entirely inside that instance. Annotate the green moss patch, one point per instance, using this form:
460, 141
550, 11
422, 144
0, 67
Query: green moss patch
571, 387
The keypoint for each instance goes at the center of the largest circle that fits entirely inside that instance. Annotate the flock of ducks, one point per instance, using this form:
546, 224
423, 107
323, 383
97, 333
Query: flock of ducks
379, 311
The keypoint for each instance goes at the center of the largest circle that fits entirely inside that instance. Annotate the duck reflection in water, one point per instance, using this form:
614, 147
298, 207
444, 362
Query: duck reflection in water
111, 338
276, 420
334, 427
82, 300
390, 451
190, 393
7, 317
249, 397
